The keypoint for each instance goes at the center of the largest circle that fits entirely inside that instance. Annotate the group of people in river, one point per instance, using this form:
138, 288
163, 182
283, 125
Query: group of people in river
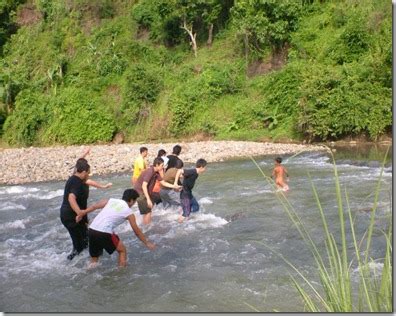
164, 181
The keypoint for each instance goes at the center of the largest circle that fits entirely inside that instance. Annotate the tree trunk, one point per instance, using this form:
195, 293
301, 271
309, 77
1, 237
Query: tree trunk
246, 42
210, 35
192, 37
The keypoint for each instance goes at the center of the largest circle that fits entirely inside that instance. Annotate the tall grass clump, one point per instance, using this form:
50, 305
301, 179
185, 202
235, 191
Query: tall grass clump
335, 291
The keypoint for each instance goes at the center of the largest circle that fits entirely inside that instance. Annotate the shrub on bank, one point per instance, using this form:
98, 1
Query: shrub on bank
29, 116
78, 117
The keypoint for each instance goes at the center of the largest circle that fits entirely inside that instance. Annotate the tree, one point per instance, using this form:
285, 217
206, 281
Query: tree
264, 23
194, 17
211, 12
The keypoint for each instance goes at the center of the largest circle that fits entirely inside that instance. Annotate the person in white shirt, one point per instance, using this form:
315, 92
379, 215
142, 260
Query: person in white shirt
101, 230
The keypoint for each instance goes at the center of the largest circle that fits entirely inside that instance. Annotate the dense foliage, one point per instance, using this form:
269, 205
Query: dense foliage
80, 71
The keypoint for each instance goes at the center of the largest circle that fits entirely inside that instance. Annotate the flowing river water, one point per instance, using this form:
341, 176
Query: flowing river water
218, 261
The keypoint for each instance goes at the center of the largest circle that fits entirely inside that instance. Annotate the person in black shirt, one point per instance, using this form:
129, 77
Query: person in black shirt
174, 157
188, 201
74, 201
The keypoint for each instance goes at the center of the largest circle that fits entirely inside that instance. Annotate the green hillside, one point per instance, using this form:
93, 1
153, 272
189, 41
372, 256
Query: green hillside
81, 71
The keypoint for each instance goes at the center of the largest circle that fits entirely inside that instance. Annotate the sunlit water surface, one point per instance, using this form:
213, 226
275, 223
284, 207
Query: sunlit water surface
218, 261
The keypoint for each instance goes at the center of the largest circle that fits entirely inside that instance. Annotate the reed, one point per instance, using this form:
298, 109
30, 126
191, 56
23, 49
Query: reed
334, 292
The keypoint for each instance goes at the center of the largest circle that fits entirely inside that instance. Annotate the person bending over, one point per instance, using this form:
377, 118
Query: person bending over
101, 230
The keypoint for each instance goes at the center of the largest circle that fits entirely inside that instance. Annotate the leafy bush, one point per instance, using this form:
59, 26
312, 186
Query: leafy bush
265, 22
203, 89
183, 104
8, 25
30, 114
141, 89
353, 41
111, 63
78, 117
281, 94
336, 103
219, 80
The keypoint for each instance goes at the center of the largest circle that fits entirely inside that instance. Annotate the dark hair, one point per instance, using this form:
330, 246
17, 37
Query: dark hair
82, 165
143, 149
161, 152
176, 150
278, 160
201, 163
179, 164
130, 194
157, 161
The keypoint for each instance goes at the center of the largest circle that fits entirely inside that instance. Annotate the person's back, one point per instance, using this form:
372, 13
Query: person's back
174, 157
112, 215
171, 197
188, 201
279, 174
190, 176
101, 231
170, 175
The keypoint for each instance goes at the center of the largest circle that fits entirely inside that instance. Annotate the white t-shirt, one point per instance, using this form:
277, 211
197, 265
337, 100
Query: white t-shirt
113, 214
166, 160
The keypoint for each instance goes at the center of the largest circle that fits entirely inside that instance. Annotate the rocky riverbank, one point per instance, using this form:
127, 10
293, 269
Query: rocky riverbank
24, 165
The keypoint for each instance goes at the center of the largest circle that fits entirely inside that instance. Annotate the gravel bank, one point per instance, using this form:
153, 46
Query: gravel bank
24, 165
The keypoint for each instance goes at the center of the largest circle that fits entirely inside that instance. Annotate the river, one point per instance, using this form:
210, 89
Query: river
218, 261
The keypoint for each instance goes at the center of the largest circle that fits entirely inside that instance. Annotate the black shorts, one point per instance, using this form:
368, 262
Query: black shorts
100, 240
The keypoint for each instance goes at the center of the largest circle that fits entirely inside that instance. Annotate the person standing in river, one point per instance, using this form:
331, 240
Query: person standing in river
101, 231
90, 182
188, 201
280, 175
144, 186
171, 197
157, 186
140, 164
174, 157
75, 199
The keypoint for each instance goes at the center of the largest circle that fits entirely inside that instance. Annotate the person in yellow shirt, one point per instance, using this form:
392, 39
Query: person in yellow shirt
140, 164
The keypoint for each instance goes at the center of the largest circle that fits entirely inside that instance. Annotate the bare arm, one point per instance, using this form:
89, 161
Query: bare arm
97, 205
168, 185
98, 185
86, 152
146, 163
177, 177
139, 234
93, 207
